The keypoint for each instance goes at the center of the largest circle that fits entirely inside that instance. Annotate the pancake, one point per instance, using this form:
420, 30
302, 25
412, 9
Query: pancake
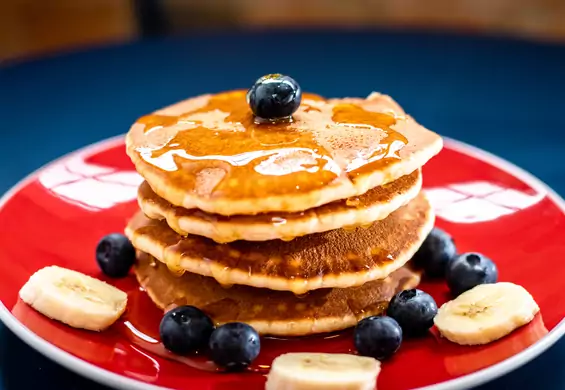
374, 205
272, 312
209, 153
338, 258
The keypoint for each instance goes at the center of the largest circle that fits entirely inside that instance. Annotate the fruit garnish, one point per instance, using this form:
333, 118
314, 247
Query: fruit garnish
185, 329
377, 337
322, 371
274, 96
234, 346
469, 270
486, 313
414, 310
115, 255
435, 253
73, 298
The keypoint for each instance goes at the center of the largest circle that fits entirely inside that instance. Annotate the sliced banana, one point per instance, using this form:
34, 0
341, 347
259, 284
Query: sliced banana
485, 313
73, 298
320, 371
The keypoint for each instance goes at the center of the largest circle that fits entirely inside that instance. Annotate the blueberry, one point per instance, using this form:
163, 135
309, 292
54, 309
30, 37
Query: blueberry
414, 310
185, 329
234, 346
115, 255
378, 337
274, 96
469, 270
434, 254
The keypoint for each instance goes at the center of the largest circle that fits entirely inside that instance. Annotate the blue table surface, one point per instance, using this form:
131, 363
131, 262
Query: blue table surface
505, 96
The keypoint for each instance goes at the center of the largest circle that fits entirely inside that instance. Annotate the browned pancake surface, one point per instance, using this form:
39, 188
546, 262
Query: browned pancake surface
210, 153
332, 253
372, 206
381, 194
271, 312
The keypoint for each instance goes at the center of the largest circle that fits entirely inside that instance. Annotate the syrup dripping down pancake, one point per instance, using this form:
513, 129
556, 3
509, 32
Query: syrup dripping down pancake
374, 205
338, 258
272, 312
209, 153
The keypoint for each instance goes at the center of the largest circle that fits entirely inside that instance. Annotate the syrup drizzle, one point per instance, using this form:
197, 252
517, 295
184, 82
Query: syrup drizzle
141, 322
213, 145
149, 344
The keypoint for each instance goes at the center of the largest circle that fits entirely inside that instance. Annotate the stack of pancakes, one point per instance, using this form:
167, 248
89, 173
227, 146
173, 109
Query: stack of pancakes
294, 227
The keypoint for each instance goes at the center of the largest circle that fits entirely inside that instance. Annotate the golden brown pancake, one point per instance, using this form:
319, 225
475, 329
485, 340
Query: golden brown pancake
338, 258
210, 153
272, 312
374, 205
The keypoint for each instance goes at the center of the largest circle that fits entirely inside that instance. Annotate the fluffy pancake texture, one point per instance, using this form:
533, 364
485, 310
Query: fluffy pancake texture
372, 206
209, 153
338, 258
272, 312
295, 226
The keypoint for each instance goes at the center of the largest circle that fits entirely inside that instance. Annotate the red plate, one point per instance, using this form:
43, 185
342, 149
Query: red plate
58, 214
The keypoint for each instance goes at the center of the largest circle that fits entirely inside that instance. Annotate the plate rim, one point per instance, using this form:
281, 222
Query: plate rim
111, 379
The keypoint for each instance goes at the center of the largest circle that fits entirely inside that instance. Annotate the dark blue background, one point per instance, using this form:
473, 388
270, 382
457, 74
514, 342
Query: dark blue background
502, 95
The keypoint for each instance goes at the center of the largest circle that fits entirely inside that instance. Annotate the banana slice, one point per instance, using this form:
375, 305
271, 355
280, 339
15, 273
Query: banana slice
73, 298
485, 313
320, 371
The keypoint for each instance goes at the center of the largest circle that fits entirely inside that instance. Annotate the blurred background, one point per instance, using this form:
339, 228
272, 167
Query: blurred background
30, 28
463, 85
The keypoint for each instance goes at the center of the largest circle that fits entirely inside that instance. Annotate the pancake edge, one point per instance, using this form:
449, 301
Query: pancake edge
341, 188
305, 327
297, 286
229, 231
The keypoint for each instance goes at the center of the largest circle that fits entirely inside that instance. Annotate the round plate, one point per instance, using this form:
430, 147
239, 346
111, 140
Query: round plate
57, 215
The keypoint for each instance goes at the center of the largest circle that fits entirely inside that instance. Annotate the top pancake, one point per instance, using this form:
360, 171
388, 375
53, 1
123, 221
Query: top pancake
209, 152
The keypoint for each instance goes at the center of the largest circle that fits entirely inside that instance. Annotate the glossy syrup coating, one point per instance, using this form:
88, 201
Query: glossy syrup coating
212, 149
338, 258
222, 144
271, 312
376, 204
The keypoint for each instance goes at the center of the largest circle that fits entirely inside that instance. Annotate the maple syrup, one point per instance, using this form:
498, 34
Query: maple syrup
218, 148
140, 326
